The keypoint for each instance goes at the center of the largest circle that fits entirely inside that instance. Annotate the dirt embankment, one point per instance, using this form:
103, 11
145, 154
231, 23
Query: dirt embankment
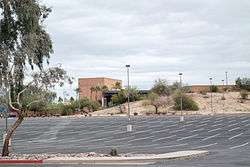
231, 104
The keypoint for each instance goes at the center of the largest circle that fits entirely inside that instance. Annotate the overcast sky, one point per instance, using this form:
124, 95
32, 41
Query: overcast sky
159, 38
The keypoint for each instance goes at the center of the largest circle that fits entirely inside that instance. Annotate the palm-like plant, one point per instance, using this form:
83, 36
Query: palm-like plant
92, 89
97, 89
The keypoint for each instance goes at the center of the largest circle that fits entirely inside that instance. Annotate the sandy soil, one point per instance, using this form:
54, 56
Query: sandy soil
232, 104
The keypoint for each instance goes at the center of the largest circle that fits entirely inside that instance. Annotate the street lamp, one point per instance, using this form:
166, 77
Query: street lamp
223, 89
226, 78
129, 126
223, 96
211, 91
181, 117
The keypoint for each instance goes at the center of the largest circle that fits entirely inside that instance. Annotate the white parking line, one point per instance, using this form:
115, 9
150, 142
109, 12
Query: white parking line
187, 125
188, 137
205, 121
214, 130
174, 145
210, 137
242, 145
247, 124
231, 121
197, 130
235, 136
138, 139
179, 130
201, 125
233, 124
244, 121
218, 121
233, 129
206, 146
162, 138
139, 132
158, 131
216, 125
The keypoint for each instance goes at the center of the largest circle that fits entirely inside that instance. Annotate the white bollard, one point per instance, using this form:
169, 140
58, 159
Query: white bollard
4, 135
129, 128
181, 118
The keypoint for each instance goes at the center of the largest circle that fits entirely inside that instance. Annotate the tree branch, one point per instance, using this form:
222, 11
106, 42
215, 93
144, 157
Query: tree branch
36, 101
19, 94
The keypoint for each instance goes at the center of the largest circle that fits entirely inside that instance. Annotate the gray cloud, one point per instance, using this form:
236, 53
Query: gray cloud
158, 38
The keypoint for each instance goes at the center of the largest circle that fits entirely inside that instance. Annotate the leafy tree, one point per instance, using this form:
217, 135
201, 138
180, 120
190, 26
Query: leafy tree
157, 101
92, 89
243, 83
36, 99
117, 86
24, 41
161, 88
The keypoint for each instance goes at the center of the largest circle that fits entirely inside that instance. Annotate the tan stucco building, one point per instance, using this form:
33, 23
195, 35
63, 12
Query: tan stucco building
85, 84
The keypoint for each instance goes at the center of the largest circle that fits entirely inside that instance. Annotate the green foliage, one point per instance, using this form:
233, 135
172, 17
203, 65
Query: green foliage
122, 96
187, 102
213, 88
36, 99
244, 94
117, 85
243, 83
161, 88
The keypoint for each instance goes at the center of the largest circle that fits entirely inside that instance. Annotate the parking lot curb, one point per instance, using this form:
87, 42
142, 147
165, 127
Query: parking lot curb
147, 159
20, 161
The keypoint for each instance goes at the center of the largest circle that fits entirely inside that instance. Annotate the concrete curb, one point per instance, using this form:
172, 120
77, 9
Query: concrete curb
20, 161
138, 160
149, 159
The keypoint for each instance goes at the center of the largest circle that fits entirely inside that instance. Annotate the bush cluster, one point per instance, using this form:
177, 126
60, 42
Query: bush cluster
244, 94
187, 102
214, 88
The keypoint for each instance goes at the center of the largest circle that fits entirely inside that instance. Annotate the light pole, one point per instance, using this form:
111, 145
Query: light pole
182, 117
223, 89
226, 79
223, 96
129, 126
211, 91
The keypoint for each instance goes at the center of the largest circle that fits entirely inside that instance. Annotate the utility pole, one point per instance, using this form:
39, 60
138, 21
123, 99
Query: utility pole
129, 126
182, 117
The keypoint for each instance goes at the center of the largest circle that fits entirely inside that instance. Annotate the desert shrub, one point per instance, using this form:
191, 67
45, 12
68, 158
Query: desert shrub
213, 88
187, 102
113, 152
244, 94
243, 83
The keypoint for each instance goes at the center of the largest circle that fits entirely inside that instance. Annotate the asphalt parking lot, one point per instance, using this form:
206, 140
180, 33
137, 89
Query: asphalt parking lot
227, 137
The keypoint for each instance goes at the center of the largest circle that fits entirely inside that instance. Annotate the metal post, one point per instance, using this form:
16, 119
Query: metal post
212, 112
223, 88
129, 126
182, 117
226, 79
223, 96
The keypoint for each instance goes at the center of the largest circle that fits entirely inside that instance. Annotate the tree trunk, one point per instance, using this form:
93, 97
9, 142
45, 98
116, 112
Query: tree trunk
5, 151
156, 110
